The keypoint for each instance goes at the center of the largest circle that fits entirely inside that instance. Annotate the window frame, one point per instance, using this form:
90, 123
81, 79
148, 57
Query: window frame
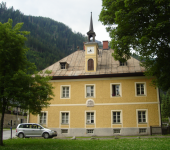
122, 63
145, 93
94, 89
64, 130
89, 130
90, 117
61, 117
90, 67
61, 91
146, 116
115, 130
46, 124
112, 111
63, 65
120, 90
140, 129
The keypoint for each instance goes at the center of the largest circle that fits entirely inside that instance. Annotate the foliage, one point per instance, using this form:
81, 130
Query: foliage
118, 144
144, 27
165, 104
49, 40
18, 87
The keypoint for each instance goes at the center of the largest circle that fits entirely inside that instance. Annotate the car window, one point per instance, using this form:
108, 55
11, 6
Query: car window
35, 126
25, 126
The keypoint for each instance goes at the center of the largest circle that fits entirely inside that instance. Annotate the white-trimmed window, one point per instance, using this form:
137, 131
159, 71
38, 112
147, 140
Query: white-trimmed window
90, 131
65, 117
43, 118
89, 117
116, 131
90, 91
63, 65
140, 89
142, 117
115, 89
65, 91
142, 130
116, 117
64, 130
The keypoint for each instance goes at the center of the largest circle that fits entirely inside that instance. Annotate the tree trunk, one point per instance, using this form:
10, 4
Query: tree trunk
1, 124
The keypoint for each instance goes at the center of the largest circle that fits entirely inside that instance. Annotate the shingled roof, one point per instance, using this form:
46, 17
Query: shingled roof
106, 67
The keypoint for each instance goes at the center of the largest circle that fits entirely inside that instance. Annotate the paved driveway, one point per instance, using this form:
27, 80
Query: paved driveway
7, 134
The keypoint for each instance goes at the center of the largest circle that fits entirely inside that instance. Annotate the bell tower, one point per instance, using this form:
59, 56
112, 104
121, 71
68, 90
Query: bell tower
91, 50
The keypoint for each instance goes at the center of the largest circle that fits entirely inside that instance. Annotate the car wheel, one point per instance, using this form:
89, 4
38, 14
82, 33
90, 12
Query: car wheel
46, 135
21, 135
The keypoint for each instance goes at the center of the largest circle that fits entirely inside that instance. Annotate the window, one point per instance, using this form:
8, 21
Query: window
90, 117
65, 118
35, 126
43, 118
116, 130
142, 130
140, 89
115, 90
64, 130
90, 130
65, 91
116, 117
123, 63
63, 65
25, 126
90, 64
22, 120
90, 91
142, 116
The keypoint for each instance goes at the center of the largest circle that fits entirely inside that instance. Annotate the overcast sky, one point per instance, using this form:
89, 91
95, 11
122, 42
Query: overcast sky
73, 13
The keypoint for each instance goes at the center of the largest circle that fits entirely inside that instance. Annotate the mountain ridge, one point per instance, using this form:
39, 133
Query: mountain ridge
49, 40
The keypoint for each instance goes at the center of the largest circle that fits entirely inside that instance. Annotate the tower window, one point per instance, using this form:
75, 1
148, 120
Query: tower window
90, 64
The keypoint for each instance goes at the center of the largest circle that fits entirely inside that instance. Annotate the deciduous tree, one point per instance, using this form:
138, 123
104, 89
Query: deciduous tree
165, 104
18, 87
142, 25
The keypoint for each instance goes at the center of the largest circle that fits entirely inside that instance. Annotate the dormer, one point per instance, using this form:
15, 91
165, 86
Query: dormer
63, 65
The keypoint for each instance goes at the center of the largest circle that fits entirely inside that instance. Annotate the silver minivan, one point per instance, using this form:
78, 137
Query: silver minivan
34, 130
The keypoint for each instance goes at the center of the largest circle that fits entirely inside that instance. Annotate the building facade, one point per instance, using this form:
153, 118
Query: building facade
96, 95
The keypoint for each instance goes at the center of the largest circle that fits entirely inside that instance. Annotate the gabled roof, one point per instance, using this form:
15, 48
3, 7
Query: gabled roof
106, 67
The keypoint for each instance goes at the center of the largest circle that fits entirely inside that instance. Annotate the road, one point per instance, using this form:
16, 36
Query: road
7, 134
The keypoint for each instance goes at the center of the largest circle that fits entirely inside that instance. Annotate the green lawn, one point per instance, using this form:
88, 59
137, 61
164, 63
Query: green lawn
58, 144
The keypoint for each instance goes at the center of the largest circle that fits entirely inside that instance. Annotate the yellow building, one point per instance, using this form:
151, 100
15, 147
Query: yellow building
96, 95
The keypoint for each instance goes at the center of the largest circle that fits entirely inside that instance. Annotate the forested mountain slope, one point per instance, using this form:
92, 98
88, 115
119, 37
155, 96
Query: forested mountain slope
49, 40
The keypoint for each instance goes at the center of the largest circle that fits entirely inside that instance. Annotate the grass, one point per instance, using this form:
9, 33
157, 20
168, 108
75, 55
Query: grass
7, 129
119, 136
115, 144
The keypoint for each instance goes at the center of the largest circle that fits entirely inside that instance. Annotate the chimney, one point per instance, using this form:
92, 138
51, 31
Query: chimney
84, 46
105, 45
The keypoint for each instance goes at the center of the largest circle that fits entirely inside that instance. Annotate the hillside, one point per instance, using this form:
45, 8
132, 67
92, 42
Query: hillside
49, 40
